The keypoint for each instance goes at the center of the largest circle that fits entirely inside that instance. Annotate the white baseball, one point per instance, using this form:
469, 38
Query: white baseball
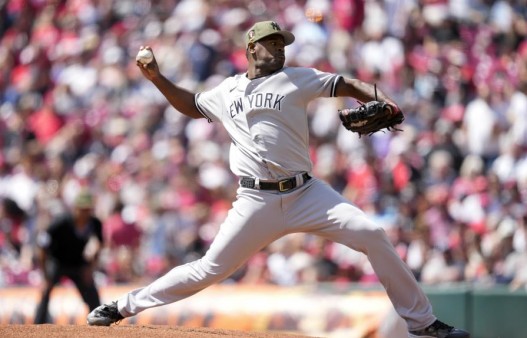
145, 56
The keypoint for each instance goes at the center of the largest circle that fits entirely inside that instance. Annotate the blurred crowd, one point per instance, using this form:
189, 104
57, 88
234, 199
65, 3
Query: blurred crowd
75, 113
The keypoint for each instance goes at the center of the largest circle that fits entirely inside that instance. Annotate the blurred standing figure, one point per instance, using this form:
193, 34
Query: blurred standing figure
70, 248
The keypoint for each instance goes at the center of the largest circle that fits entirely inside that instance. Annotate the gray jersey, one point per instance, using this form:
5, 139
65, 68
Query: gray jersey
266, 119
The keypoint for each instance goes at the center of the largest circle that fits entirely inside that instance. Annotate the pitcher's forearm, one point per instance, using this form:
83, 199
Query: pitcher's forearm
179, 98
360, 90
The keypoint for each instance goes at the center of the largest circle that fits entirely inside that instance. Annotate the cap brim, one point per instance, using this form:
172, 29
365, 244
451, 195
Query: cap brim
289, 38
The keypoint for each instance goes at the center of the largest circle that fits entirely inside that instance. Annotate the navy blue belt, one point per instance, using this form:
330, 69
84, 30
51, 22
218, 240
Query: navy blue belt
281, 186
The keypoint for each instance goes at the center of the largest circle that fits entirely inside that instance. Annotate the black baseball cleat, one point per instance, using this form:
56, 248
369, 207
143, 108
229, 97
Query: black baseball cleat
439, 329
104, 315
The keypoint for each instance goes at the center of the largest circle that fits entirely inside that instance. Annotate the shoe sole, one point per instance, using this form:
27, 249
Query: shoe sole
98, 321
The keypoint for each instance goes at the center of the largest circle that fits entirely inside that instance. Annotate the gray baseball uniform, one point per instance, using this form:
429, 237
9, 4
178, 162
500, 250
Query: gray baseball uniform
267, 121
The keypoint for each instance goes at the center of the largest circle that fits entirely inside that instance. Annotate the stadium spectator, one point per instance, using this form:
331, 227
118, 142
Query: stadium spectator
74, 111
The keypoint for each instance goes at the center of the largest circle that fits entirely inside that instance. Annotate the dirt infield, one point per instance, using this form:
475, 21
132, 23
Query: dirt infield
126, 331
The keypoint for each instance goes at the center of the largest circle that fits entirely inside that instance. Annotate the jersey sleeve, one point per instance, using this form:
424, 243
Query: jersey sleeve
316, 83
47, 239
97, 228
210, 103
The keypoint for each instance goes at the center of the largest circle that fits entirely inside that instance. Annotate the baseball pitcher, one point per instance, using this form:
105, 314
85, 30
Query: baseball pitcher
264, 112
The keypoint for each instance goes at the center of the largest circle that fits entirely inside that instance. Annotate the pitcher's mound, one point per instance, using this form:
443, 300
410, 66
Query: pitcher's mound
126, 331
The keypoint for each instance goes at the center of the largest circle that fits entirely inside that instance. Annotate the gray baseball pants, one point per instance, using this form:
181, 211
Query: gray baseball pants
258, 218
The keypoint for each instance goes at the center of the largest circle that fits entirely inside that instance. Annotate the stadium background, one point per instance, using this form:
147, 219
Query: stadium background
450, 190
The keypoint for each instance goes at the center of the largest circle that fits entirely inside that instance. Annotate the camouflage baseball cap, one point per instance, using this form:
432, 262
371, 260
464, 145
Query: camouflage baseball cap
84, 200
265, 28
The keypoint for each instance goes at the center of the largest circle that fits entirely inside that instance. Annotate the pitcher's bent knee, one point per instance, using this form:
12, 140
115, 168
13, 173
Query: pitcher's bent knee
368, 239
205, 272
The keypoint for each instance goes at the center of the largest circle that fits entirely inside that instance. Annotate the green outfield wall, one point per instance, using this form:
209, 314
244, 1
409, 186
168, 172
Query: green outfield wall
491, 312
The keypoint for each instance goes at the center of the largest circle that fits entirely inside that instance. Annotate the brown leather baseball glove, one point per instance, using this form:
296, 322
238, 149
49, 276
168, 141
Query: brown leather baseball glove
371, 117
